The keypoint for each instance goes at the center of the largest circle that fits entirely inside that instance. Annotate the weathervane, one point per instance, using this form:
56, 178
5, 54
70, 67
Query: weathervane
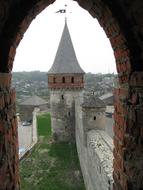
63, 11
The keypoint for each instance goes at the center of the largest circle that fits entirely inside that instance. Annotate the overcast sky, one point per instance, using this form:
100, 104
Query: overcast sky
38, 48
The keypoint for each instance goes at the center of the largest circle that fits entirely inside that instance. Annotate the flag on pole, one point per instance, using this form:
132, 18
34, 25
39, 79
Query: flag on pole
61, 11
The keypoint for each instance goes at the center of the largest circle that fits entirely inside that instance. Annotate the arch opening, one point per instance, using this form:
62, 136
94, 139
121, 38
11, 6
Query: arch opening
123, 61
62, 97
63, 81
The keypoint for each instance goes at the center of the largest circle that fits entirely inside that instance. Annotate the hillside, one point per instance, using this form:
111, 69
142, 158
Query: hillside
35, 82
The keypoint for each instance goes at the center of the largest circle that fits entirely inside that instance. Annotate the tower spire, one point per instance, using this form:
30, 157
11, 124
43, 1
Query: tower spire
65, 13
65, 68
66, 61
65, 81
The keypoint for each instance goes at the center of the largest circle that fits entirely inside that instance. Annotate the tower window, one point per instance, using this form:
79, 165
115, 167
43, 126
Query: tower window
62, 96
94, 118
54, 80
72, 79
82, 79
63, 79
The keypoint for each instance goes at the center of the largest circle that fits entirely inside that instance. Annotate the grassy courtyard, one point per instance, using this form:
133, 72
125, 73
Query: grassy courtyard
44, 125
50, 166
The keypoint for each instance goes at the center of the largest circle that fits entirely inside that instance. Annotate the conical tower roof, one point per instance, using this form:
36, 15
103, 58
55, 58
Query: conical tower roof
65, 61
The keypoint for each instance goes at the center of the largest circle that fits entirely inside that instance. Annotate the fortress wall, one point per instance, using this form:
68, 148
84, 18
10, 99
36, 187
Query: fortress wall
24, 136
63, 114
95, 153
27, 135
88, 118
81, 148
109, 126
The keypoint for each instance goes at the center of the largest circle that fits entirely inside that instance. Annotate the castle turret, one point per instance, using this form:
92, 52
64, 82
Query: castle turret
65, 72
65, 81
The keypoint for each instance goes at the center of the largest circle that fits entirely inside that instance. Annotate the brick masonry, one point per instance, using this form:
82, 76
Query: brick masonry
74, 81
9, 174
128, 139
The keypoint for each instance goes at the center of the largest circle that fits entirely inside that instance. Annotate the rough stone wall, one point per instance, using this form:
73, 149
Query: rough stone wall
109, 123
100, 154
95, 153
34, 125
93, 118
24, 136
63, 114
128, 135
9, 174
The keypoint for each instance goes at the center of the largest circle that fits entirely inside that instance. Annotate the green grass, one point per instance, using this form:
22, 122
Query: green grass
44, 124
51, 166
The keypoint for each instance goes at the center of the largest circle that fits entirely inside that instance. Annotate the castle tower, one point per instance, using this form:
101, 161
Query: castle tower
65, 81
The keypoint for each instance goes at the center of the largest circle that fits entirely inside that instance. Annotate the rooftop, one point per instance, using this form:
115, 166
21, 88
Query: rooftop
92, 102
65, 61
34, 101
105, 96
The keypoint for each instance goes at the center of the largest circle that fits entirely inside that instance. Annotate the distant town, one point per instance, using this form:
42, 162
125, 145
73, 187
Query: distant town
35, 83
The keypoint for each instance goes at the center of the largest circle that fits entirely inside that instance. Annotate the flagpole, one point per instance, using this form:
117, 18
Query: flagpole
65, 12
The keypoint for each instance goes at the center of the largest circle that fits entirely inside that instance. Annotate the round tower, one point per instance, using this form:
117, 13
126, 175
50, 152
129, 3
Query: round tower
65, 81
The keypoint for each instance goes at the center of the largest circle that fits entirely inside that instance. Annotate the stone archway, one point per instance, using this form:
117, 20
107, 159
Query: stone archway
125, 33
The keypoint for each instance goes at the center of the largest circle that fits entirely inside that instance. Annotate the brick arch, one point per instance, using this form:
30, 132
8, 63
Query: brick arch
23, 26
128, 136
114, 31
